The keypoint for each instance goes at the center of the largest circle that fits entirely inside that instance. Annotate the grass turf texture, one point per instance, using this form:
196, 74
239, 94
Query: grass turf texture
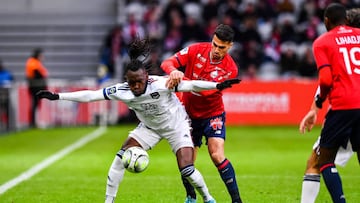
269, 162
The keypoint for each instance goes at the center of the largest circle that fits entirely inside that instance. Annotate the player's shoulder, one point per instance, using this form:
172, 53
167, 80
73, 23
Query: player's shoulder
118, 90
356, 30
228, 61
156, 80
322, 39
117, 87
199, 46
194, 48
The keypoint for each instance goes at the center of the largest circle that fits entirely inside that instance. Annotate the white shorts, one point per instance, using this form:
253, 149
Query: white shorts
177, 138
343, 155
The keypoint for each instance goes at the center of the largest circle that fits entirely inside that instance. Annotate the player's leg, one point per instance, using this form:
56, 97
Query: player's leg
311, 180
196, 135
115, 176
330, 174
191, 174
215, 135
116, 171
142, 137
190, 191
224, 166
333, 135
355, 140
183, 147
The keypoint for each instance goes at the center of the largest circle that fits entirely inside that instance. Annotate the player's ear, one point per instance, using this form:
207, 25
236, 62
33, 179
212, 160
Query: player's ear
327, 23
230, 45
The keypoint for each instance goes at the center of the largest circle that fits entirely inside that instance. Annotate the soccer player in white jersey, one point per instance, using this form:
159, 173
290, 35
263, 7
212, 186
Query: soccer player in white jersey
160, 112
311, 181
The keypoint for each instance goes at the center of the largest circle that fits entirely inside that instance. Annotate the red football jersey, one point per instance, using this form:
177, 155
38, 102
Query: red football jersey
339, 50
198, 66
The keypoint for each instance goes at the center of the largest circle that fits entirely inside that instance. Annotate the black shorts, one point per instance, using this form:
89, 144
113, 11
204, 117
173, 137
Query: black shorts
210, 127
339, 127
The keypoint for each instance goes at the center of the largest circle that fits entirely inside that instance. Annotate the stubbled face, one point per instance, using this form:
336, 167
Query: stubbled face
137, 81
219, 48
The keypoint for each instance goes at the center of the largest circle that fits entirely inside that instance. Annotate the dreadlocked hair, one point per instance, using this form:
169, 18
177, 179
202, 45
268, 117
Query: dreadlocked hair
139, 49
134, 65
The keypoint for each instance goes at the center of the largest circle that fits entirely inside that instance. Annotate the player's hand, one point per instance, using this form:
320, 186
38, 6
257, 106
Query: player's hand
227, 83
308, 122
175, 78
47, 94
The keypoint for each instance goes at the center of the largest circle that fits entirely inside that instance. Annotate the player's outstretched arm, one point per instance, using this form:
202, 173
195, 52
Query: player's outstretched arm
200, 85
78, 96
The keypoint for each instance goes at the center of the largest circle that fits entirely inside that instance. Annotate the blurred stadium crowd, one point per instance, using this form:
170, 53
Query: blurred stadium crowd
273, 37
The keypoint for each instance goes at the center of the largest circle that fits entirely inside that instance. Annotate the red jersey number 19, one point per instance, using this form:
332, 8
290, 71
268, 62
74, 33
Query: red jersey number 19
350, 58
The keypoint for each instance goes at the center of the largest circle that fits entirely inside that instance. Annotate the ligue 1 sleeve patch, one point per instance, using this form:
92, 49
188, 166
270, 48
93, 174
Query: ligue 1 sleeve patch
184, 51
111, 90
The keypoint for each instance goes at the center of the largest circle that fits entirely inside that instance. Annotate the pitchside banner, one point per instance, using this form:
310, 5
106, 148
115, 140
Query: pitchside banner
270, 103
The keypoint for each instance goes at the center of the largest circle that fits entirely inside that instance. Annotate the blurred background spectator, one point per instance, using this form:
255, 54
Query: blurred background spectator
36, 75
74, 38
6, 77
6, 81
272, 41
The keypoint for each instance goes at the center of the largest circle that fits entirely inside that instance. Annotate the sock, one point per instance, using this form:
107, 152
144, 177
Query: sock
190, 191
310, 188
333, 182
197, 181
227, 174
115, 176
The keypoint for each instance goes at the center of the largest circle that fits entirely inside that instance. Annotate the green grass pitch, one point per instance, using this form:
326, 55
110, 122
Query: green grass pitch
269, 164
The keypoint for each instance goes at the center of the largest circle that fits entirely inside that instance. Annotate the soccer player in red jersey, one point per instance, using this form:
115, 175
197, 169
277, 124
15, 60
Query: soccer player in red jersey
311, 180
337, 55
208, 61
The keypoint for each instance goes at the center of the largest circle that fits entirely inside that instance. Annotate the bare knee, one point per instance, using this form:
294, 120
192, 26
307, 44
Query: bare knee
311, 165
216, 157
216, 150
185, 156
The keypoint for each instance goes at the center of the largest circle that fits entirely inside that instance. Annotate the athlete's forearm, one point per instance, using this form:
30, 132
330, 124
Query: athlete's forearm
195, 85
169, 65
83, 96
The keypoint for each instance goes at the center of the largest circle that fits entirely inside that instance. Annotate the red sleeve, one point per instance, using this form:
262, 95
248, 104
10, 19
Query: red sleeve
325, 81
169, 64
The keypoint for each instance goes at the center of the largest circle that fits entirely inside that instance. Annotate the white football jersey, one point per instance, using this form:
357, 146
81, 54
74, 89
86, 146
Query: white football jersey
158, 108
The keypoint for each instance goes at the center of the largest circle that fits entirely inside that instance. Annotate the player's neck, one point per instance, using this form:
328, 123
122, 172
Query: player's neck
214, 61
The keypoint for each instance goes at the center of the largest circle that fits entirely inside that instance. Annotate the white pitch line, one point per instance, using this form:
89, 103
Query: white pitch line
50, 160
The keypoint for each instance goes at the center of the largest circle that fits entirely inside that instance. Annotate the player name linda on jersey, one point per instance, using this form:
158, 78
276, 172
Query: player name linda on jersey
352, 39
